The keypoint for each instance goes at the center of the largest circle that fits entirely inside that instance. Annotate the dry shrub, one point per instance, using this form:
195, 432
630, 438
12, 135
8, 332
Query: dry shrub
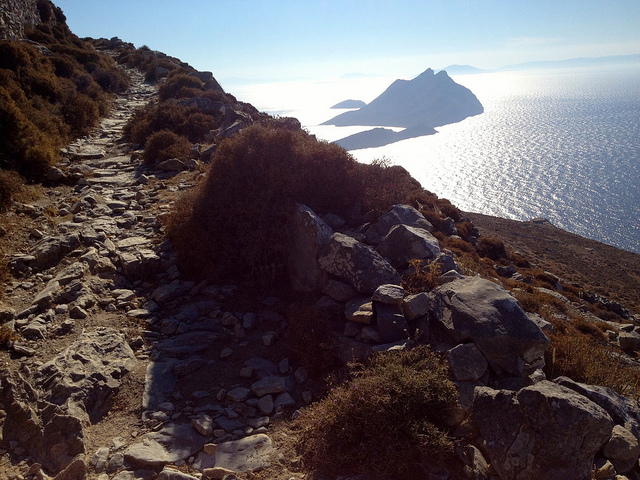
180, 85
186, 121
10, 185
465, 230
164, 145
424, 277
491, 247
385, 185
541, 303
387, 421
234, 223
47, 100
7, 334
580, 357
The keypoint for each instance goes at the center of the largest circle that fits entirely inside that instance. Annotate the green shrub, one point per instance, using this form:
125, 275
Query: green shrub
164, 145
387, 421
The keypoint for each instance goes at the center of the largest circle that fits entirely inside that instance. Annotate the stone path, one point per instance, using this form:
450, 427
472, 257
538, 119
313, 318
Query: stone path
105, 285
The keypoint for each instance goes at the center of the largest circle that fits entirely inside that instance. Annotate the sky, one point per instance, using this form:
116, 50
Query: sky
267, 41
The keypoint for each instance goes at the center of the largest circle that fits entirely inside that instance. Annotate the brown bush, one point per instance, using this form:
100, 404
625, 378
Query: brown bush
582, 358
164, 145
423, 278
186, 121
387, 421
491, 247
234, 223
10, 184
47, 100
180, 85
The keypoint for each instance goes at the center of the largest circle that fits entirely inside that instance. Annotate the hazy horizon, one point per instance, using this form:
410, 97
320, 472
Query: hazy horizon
285, 40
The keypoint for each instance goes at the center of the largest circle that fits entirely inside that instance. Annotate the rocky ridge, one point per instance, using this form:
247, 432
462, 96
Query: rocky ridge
98, 298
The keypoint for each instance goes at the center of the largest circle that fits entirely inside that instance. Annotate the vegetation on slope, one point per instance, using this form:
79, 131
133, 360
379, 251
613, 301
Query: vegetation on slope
53, 88
388, 419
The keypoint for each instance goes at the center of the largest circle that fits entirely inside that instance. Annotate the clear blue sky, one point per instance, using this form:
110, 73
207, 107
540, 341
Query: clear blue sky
305, 39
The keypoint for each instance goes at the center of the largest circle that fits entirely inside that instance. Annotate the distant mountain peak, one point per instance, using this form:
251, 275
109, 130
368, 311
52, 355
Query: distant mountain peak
429, 100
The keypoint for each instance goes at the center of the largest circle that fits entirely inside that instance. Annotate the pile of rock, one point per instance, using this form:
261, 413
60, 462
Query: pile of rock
515, 423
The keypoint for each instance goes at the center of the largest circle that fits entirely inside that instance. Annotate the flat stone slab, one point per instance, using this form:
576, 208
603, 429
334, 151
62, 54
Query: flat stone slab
250, 453
159, 383
187, 344
132, 242
173, 443
89, 152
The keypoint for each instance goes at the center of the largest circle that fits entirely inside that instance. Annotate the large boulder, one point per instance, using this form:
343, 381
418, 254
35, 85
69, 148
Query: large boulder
624, 411
404, 243
88, 372
397, 215
307, 234
543, 431
357, 264
476, 310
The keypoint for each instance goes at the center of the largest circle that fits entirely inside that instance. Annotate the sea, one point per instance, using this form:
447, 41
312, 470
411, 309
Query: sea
561, 144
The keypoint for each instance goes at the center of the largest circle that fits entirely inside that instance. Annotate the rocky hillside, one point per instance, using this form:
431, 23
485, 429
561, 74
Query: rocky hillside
15, 15
472, 360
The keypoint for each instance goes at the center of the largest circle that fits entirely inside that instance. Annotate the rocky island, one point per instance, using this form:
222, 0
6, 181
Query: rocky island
429, 100
166, 313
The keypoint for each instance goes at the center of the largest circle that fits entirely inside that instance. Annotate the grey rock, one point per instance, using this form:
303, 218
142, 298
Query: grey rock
307, 234
339, 291
187, 366
99, 459
203, 423
115, 463
187, 343
265, 404
404, 243
467, 362
416, 306
267, 385
477, 310
622, 449
629, 341
89, 371
356, 263
359, 310
624, 411
284, 400
390, 294
172, 474
543, 431
173, 443
391, 323
397, 215
250, 453
172, 165
238, 394
49, 251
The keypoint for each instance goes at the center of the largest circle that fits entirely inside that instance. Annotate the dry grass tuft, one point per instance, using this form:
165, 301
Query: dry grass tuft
388, 420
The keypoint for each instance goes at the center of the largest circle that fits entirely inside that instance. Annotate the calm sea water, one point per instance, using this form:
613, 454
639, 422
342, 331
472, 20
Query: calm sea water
558, 144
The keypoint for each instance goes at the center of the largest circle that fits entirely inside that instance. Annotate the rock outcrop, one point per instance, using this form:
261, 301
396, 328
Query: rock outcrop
15, 15
429, 100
